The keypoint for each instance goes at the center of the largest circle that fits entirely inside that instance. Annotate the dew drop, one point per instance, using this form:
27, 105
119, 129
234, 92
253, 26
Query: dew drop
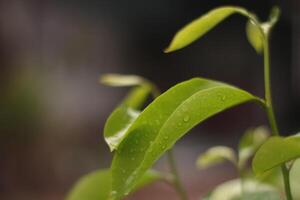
223, 98
186, 118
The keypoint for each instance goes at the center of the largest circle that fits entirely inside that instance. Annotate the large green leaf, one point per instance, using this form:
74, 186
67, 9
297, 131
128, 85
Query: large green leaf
121, 118
166, 120
216, 155
97, 185
248, 190
201, 26
274, 152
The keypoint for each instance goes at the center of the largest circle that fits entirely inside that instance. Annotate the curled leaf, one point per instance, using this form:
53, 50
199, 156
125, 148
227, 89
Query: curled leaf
254, 36
122, 117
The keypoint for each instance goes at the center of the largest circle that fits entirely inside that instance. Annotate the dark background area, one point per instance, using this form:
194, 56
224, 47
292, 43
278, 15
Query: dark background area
52, 108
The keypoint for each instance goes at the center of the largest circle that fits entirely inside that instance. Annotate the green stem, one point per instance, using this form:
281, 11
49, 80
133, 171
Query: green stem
176, 180
176, 183
270, 111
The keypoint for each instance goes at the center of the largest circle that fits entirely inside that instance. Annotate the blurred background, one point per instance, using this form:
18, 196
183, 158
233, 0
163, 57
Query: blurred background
52, 108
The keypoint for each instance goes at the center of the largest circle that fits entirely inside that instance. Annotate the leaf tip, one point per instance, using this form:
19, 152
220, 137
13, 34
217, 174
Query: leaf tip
170, 48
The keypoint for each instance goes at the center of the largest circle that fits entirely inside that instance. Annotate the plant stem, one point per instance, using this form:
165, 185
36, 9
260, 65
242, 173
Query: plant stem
270, 111
176, 180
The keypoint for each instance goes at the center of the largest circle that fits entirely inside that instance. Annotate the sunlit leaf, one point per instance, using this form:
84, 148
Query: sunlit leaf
248, 190
97, 185
216, 155
274, 152
250, 142
254, 36
166, 120
201, 26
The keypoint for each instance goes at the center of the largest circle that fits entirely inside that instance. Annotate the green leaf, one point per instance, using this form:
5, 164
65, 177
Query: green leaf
97, 185
216, 155
166, 120
274, 152
201, 26
117, 124
254, 36
121, 118
250, 142
252, 190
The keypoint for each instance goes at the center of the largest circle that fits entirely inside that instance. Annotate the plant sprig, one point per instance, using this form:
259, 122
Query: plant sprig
140, 137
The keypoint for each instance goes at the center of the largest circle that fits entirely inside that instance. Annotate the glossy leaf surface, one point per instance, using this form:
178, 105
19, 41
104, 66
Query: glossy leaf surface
216, 155
166, 120
97, 185
252, 190
201, 26
274, 152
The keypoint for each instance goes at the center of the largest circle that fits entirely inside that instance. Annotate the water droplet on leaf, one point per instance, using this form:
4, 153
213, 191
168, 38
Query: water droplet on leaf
186, 118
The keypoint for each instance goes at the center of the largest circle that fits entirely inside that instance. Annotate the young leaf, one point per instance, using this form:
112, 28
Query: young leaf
274, 152
121, 118
252, 190
216, 155
166, 120
250, 142
201, 26
97, 185
254, 36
